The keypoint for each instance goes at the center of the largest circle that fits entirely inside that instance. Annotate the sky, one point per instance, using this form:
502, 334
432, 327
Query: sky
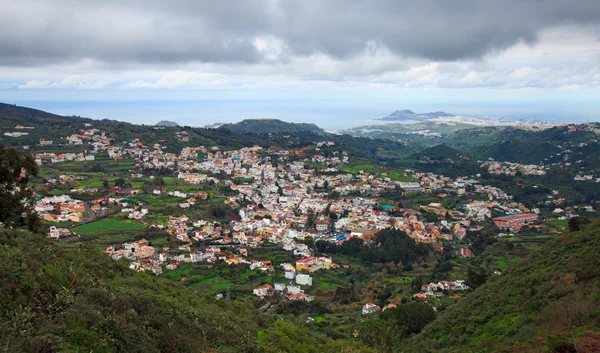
330, 61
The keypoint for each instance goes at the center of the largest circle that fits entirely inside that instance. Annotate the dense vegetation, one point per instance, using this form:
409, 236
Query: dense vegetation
440, 152
389, 245
82, 301
15, 170
546, 303
55, 300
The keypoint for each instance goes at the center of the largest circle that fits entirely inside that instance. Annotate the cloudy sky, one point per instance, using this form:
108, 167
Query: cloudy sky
508, 52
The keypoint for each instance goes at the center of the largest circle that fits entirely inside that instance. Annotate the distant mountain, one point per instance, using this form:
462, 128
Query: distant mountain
271, 126
410, 115
166, 123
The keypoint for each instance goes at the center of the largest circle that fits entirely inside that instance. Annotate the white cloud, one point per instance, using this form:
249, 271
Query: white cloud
562, 58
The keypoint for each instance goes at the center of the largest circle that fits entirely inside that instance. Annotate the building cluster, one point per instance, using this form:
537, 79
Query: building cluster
55, 233
514, 223
436, 290
60, 208
46, 157
509, 168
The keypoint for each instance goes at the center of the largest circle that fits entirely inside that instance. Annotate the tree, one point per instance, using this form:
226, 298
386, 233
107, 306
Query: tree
16, 198
312, 219
576, 223
97, 168
218, 211
412, 317
120, 182
476, 276
159, 181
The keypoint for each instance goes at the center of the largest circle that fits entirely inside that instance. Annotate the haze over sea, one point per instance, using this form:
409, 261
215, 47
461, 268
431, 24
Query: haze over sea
326, 113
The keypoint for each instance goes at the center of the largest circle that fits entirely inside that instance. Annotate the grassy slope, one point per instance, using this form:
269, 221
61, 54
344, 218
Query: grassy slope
78, 300
59, 301
542, 304
107, 225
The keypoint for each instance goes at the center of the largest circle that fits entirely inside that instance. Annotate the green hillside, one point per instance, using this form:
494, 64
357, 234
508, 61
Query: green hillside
546, 303
440, 152
524, 151
13, 114
270, 126
84, 301
56, 300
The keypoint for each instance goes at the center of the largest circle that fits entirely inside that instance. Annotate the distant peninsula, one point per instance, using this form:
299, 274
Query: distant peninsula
410, 115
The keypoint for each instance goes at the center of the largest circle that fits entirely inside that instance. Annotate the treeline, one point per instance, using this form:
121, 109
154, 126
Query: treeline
388, 245
392, 245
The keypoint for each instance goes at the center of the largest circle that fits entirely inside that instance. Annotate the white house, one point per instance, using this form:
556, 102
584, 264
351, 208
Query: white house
370, 308
303, 279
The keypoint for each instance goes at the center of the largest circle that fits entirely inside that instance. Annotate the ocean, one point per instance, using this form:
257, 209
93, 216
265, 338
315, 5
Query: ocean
334, 114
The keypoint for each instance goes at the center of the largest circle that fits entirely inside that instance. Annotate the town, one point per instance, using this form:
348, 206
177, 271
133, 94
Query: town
275, 198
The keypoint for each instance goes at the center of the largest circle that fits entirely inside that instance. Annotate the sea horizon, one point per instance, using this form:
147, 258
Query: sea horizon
330, 114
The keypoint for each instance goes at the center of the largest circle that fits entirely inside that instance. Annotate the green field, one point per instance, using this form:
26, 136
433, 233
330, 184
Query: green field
502, 263
108, 225
559, 224
369, 168
398, 175
401, 280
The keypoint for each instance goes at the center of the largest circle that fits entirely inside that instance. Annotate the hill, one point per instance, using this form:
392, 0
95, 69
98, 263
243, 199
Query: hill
546, 303
531, 152
14, 114
270, 126
250, 132
166, 123
56, 300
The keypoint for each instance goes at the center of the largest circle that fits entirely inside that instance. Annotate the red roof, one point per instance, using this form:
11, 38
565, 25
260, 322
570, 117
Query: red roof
517, 217
307, 259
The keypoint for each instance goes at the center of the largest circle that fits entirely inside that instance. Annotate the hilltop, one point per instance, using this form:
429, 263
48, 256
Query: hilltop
166, 123
13, 114
270, 126
440, 152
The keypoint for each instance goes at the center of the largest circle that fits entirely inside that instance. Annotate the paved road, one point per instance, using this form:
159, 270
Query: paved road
88, 219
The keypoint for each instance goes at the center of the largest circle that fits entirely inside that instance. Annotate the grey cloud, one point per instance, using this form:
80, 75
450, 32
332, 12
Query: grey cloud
38, 32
